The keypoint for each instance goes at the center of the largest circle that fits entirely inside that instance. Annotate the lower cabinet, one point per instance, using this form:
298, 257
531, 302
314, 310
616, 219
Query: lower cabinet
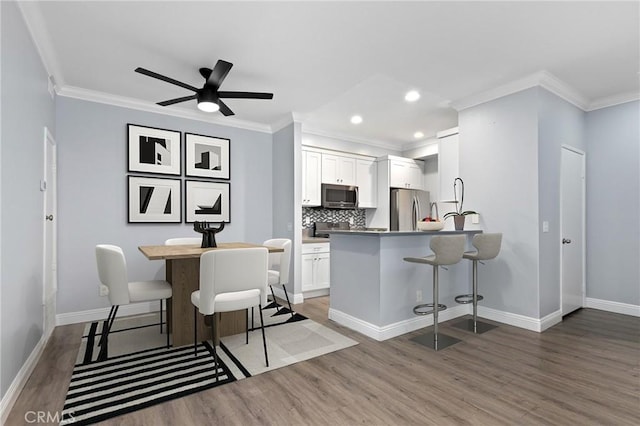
315, 266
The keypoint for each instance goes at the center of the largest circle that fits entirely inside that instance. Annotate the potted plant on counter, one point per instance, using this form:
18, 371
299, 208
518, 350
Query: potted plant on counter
459, 214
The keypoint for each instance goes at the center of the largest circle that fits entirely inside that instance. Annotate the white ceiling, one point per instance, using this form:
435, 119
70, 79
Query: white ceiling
325, 61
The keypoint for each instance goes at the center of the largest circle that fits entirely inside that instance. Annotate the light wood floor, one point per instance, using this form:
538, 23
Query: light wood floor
584, 371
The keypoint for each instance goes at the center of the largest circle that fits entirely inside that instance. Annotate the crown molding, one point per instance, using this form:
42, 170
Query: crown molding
608, 101
419, 144
124, 102
38, 30
541, 78
349, 138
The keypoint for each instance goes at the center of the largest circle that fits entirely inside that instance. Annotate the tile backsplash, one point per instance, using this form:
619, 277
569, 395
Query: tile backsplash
333, 215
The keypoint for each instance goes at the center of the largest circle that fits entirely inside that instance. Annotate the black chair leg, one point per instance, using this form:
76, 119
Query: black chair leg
275, 302
195, 331
160, 316
247, 331
213, 341
102, 355
106, 325
264, 339
288, 302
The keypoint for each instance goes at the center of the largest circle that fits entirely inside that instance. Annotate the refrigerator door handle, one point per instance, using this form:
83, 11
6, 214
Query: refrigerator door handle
414, 214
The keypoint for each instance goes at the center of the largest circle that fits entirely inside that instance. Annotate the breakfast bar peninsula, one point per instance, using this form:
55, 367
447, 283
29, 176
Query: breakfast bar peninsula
373, 291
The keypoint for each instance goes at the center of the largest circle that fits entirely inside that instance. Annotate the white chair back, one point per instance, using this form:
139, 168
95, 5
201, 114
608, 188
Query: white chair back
112, 270
488, 245
280, 261
183, 241
232, 270
447, 248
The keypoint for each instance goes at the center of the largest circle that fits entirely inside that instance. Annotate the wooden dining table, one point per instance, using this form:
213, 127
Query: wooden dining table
182, 264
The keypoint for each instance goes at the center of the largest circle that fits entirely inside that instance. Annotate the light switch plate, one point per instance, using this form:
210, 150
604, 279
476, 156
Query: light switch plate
475, 218
545, 226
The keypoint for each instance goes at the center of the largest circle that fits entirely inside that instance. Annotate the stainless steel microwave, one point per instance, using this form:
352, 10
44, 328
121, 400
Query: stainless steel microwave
339, 196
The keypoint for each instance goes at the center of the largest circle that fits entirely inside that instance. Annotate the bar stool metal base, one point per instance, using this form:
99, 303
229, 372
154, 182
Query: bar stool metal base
481, 327
428, 339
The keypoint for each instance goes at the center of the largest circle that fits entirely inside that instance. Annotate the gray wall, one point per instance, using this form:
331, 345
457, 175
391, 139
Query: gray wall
559, 122
499, 165
613, 203
26, 109
92, 195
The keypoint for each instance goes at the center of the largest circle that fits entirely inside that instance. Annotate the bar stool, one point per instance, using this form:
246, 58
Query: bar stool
447, 251
488, 247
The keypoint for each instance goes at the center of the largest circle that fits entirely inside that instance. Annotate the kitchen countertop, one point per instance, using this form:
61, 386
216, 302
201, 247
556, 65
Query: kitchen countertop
396, 233
311, 240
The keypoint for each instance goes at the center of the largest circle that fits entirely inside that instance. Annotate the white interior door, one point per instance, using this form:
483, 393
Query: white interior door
572, 229
49, 188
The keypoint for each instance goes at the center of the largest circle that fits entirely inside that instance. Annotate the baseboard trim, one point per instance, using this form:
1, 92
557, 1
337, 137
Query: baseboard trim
294, 298
521, 321
381, 333
102, 313
315, 293
18, 383
615, 307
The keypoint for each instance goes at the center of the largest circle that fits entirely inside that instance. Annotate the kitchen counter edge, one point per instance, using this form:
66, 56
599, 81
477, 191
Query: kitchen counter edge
398, 233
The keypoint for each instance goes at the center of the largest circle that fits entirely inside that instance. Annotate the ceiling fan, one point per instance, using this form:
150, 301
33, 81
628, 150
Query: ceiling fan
209, 97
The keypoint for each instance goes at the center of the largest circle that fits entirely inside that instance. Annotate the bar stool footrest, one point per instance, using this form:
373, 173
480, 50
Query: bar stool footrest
418, 308
467, 298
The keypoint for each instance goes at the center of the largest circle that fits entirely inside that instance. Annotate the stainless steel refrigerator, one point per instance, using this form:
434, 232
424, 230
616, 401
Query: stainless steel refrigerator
408, 206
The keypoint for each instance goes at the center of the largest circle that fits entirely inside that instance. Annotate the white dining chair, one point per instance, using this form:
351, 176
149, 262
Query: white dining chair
279, 267
230, 280
183, 241
112, 271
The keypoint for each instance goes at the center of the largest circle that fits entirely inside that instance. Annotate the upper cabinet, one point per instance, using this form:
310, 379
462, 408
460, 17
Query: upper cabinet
367, 182
338, 170
448, 168
405, 173
311, 170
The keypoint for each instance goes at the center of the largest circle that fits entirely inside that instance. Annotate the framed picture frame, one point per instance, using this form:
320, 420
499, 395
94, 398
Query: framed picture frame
154, 200
153, 150
207, 201
207, 156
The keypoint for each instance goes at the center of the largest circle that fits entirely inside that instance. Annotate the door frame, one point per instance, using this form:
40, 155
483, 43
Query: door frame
583, 155
49, 323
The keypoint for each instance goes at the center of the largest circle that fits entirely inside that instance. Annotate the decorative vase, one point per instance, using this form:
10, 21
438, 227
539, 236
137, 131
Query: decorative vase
458, 222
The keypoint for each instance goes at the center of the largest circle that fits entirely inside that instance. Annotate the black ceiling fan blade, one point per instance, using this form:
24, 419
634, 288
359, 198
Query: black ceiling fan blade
219, 72
177, 100
245, 95
163, 78
224, 109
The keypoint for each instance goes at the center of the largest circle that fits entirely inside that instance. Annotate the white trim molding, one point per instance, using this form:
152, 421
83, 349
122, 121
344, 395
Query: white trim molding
608, 101
541, 78
10, 397
125, 102
377, 143
102, 313
521, 321
615, 307
294, 298
381, 333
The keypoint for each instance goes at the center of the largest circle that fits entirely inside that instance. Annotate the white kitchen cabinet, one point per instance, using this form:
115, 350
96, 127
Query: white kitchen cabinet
315, 266
367, 182
311, 172
405, 173
338, 170
448, 168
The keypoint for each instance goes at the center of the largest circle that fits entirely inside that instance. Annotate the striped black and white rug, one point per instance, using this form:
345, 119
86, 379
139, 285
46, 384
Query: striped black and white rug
132, 378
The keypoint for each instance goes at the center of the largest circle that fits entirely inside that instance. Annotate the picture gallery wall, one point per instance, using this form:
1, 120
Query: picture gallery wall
159, 172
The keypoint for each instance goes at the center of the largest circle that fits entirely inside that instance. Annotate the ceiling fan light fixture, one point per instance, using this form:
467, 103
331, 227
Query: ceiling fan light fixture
207, 100
208, 106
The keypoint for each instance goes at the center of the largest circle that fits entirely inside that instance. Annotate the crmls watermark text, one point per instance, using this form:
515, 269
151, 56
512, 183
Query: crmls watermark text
47, 417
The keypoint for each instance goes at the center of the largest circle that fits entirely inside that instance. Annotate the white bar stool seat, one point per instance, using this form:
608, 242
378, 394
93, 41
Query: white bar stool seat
447, 250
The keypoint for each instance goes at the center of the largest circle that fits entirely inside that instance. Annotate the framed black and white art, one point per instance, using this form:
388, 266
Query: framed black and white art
207, 156
207, 201
153, 150
154, 200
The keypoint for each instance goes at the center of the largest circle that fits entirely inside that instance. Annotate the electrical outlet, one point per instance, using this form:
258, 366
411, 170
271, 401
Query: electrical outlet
307, 220
351, 222
545, 226
104, 290
418, 295
475, 218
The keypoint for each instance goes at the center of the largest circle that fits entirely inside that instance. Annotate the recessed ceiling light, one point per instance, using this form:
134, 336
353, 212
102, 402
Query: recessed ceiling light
412, 96
418, 135
356, 119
